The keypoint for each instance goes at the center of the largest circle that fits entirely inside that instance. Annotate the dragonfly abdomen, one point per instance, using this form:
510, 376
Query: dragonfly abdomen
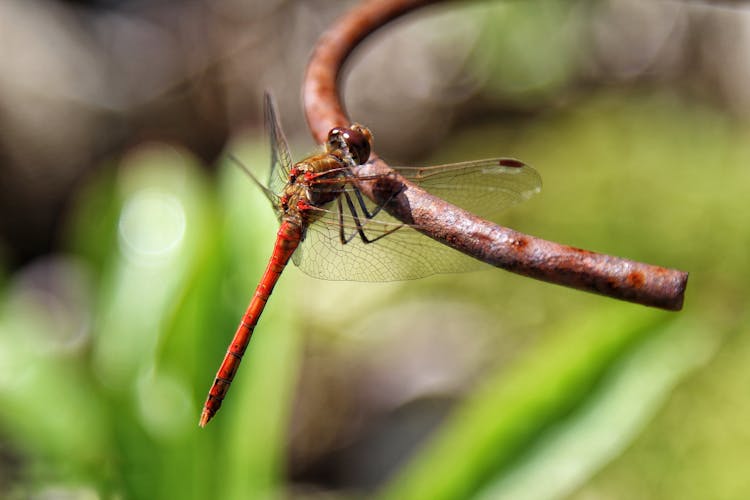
287, 240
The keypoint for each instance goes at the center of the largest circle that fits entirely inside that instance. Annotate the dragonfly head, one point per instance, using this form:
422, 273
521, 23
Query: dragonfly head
357, 140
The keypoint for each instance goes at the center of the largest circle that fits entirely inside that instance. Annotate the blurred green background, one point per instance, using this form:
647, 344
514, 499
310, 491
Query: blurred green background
130, 248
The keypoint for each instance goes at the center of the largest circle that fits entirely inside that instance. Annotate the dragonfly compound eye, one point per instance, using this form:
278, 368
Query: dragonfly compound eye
357, 140
360, 142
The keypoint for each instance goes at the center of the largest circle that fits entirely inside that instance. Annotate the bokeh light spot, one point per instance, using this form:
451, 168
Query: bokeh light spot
152, 225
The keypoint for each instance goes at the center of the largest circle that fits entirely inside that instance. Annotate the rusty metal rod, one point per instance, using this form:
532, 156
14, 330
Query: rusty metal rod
496, 245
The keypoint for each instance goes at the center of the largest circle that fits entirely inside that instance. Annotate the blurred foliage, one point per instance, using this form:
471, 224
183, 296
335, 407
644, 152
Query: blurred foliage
101, 389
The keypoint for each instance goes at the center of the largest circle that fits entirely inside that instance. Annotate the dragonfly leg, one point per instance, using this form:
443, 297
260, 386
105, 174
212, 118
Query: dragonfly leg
360, 230
363, 206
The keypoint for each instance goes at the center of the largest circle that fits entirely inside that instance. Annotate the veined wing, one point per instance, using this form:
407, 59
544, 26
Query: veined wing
281, 158
400, 252
485, 187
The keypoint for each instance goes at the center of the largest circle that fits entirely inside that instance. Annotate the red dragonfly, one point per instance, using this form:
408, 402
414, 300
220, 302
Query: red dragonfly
331, 231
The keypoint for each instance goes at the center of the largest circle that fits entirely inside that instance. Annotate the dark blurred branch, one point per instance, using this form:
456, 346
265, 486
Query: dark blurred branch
502, 247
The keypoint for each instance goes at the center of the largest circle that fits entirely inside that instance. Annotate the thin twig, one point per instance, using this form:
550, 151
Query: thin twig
496, 245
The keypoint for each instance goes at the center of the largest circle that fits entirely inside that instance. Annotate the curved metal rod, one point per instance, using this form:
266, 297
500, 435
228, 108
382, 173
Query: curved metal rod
496, 245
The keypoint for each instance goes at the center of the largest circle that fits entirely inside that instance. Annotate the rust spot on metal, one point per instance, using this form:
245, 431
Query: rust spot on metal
580, 251
483, 239
661, 271
635, 279
519, 243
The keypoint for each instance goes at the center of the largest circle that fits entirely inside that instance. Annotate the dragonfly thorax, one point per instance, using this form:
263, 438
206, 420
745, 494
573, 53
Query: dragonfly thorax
319, 179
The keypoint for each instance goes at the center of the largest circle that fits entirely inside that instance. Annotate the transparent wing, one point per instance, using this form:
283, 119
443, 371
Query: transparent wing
484, 187
400, 252
281, 158
272, 197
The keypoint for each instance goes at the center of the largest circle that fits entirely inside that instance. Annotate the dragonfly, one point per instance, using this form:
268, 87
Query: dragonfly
330, 230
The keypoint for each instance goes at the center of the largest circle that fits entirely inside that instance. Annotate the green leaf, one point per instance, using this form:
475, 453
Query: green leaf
514, 408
